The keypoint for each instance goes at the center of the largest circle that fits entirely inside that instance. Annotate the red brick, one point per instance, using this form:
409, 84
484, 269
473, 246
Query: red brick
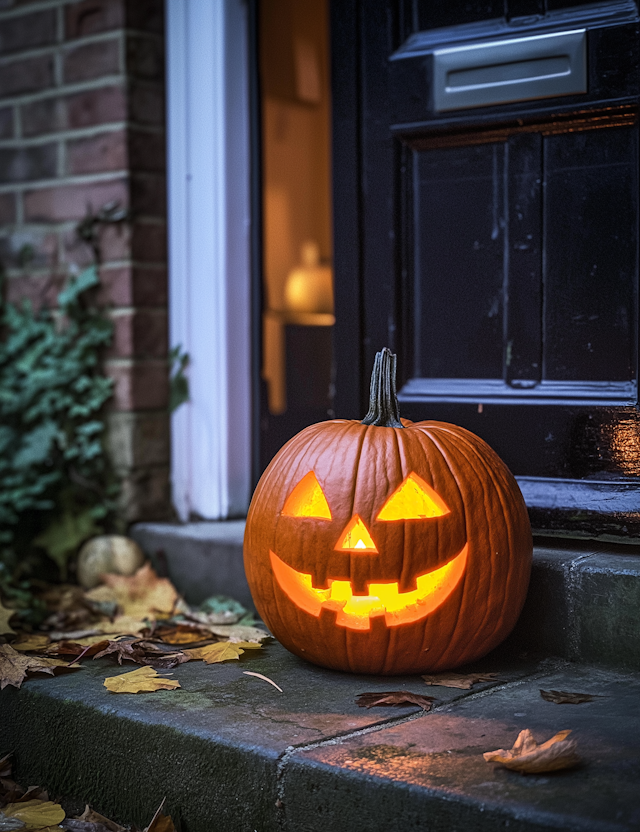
46, 116
140, 334
28, 75
149, 195
147, 151
105, 152
145, 58
27, 31
24, 164
133, 286
71, 202
139, 386
146, 103
92, 16
92, 60
99, 106
6, 123
115, 242
7, 209
40, 290
149, 243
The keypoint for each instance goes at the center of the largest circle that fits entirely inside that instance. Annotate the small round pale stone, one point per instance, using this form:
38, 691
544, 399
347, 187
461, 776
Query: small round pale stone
108, 553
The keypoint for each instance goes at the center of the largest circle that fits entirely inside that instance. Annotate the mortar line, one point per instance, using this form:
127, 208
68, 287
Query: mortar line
550, 665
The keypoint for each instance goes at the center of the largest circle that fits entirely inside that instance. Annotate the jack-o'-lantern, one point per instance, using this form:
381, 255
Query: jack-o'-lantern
386, 546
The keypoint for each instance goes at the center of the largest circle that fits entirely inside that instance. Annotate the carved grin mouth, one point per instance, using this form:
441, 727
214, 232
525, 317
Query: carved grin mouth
356, 611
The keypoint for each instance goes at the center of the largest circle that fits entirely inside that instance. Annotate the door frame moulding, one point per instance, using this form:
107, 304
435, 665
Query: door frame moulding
209, 253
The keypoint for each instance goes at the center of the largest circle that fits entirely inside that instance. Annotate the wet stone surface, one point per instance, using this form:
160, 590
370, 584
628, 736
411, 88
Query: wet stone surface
231, 752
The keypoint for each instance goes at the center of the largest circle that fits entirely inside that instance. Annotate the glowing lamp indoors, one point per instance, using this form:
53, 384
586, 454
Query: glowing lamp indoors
387, 546
309, 287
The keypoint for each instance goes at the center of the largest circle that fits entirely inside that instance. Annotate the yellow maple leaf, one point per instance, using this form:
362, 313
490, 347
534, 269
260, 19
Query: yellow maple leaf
5, 615
142, 595
143, 680
31, 643
36, 814
222, 651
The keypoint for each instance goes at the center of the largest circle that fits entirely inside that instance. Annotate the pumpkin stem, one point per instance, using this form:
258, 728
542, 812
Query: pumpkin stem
383, 402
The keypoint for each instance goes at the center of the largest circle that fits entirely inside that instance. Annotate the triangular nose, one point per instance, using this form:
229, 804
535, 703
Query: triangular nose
356, 537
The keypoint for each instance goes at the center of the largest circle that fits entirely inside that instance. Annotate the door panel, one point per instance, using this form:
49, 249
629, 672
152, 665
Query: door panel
496, 248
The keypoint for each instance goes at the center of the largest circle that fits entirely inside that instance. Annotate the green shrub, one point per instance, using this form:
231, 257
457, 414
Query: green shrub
56, 485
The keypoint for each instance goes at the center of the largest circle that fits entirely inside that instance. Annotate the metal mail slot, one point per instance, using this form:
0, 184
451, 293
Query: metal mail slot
504, 71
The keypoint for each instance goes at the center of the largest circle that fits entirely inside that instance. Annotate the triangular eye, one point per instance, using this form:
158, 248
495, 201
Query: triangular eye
307, 500
413, 500
356, 538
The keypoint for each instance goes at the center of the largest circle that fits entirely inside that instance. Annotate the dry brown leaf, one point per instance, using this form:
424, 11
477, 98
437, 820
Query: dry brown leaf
123, 625
528, 757
464, 681
31, 643
5, 615
160, 822
14, 666
222, 651
35, 814
142, 595
143, 680
142, 652
89, 816
563, 697
263, 677
396, 697
182, 634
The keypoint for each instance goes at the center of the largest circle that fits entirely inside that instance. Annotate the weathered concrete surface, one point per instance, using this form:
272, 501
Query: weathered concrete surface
202, 559
232, 753
429, 773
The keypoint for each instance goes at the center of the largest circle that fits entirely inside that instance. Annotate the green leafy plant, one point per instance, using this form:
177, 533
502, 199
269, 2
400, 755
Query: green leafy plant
56, 485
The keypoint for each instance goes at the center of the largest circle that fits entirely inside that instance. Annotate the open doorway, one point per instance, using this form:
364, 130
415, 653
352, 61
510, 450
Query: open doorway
297, 290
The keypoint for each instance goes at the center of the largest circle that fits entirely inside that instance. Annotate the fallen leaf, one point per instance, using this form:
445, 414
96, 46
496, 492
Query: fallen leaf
222, 651
5, 615
160, 822
396, 697
142, 680
76, 650
35, 813
563, 697
464, 681
142, 652
123, 625
528, 757
264, 678
239, 632
140, 595
14, 667
182, 634
94, 822
31, 643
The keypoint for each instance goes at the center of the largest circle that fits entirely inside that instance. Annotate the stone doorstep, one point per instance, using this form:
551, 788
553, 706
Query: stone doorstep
582, 605
232, 754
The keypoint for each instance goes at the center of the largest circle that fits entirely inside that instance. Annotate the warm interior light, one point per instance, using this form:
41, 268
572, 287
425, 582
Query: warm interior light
307, 500
356, 537
413, 500
356, 611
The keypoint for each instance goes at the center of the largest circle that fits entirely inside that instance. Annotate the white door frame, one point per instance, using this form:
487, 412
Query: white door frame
209, 253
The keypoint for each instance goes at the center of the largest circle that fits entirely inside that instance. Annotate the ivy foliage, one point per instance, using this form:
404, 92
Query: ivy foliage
56, 485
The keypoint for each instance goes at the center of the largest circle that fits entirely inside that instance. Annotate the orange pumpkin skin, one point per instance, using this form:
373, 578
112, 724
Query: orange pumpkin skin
358, 468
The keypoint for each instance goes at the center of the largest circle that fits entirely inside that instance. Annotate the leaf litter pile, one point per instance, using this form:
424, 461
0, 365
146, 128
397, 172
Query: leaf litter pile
139, 619
31, 809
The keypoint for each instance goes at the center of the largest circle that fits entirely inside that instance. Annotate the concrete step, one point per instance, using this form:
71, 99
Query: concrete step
232, 753
582, 605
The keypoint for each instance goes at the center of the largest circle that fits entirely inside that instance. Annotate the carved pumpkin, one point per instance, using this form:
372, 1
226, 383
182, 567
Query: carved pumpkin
385, 546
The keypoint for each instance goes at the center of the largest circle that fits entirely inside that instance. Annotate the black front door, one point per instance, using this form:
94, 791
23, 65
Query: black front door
486, 228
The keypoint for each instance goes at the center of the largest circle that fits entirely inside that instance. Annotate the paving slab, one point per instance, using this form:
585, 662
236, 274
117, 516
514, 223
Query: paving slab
230, 752
428, 773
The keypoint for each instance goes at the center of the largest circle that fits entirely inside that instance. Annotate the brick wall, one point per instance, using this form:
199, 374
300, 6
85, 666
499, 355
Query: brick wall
82, 125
